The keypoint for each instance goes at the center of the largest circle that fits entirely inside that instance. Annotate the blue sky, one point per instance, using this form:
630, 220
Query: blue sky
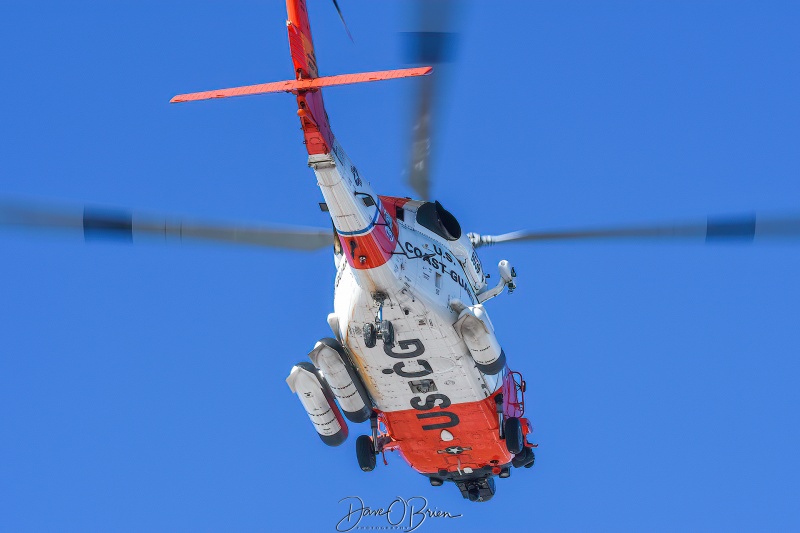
142, 388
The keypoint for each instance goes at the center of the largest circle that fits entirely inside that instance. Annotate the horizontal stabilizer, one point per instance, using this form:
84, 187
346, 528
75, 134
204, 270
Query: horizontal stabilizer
310, 84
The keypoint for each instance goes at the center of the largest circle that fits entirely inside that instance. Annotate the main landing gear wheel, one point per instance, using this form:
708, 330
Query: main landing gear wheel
513, 432
370, 335
365, 453
387, 333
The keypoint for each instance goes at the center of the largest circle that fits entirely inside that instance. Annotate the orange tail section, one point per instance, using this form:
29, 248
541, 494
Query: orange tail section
300, 42
310, 106
307, 82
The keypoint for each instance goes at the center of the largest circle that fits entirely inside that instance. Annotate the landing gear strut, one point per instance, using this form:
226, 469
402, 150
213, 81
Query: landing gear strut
368, 447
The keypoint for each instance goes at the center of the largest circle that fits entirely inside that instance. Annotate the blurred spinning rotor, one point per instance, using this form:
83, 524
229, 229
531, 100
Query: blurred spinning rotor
431, 40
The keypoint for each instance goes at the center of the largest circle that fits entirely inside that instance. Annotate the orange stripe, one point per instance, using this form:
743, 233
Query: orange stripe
375, 248
477, 428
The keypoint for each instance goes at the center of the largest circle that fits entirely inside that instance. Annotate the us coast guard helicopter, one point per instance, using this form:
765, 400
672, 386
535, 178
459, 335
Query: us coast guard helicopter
413, 350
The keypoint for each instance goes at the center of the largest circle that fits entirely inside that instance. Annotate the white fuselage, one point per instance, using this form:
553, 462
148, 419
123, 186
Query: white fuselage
422, 275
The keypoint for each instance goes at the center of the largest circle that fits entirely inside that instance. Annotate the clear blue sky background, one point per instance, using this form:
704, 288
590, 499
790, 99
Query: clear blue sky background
142, 388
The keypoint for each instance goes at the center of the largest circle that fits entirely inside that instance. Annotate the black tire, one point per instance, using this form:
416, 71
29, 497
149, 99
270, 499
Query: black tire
370, 335
436, 482
387, 333
533, 460
365, 453
513, 431
523, 458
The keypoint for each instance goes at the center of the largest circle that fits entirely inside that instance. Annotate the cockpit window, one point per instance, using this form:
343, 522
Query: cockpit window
434, 217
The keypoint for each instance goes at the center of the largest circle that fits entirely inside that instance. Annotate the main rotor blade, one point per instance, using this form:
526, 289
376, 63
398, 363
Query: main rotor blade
714, 229
97, 223
431, 42
419, 171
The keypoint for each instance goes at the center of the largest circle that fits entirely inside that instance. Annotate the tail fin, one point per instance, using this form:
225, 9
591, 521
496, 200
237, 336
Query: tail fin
300, 42
310, 106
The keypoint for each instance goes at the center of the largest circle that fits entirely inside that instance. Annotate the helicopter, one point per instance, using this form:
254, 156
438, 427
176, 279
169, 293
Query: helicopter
413, 350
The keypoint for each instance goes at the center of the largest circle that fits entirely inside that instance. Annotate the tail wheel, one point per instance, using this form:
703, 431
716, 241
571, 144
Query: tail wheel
387, 333
370, 335
533, 460
365, 453
524, 458
513, 431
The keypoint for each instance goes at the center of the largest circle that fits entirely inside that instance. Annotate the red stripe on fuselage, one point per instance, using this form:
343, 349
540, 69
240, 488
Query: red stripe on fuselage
392, 203
373, 248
